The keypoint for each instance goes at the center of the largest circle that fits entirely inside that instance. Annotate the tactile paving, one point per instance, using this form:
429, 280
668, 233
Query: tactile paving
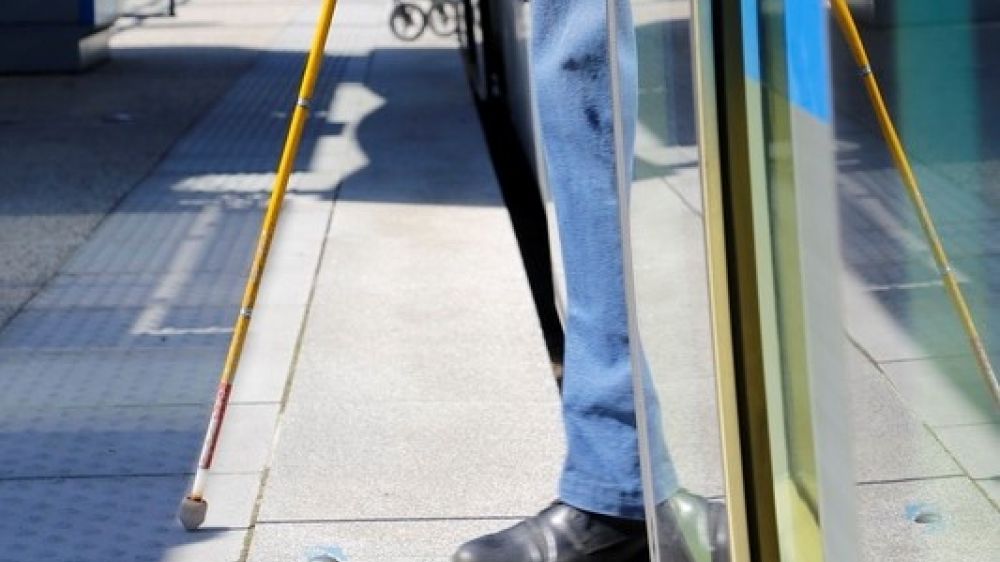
109, 372
244, 133
87, 519
210, 239
89, 441
124, 328
37, 380
107, 520
135, 290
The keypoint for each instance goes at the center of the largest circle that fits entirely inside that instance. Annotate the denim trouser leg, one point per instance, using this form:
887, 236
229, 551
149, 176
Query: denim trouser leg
571, 79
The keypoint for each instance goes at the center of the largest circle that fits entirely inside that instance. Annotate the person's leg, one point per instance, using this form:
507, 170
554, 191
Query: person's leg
573, 88
598, 516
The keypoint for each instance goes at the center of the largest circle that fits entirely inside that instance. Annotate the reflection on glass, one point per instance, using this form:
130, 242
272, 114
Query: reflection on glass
777, 198
790, 140
926, 431
669, 257
917, 419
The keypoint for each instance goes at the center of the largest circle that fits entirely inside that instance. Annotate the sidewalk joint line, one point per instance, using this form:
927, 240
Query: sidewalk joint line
392, 520
915, 479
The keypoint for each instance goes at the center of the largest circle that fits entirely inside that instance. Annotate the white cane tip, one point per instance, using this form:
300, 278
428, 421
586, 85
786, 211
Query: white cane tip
192, 513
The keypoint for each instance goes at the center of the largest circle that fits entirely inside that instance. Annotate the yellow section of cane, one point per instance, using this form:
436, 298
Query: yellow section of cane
193, 507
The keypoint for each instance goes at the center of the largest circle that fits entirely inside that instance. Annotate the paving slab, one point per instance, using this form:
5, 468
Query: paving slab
246, 439
959, 522
184, 289
210, 238
403, 459
152, 327
119, 518
422, 389
992, 488
100, 441
133, 290
671, 284
889, 442
913, 323
268, 354
671, 281
976, 447
691, 428
82, 378
199, 252
394, 540
446, 374
943, 391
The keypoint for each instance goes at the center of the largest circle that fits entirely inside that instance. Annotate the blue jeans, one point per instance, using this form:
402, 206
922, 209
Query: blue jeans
573, 94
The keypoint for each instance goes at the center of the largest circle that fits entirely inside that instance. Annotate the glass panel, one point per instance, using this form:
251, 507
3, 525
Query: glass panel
792, 328
918, 408
788, 107
774, 182
669, 264
869, 426
926, 429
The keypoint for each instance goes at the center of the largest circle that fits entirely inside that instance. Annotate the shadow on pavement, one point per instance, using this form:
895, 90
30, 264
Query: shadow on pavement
110, 369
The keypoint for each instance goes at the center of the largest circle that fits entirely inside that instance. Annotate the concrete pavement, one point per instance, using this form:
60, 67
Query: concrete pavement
126, 314
71, 146
395, 396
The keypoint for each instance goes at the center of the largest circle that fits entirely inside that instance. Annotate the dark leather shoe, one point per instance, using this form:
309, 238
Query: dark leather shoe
689, 527
561, 533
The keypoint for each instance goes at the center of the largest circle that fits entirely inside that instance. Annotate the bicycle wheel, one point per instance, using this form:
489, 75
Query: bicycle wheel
407, 21
443, 18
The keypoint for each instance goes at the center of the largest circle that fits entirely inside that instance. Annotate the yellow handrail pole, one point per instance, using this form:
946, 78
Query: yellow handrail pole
285, 167
846, 23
